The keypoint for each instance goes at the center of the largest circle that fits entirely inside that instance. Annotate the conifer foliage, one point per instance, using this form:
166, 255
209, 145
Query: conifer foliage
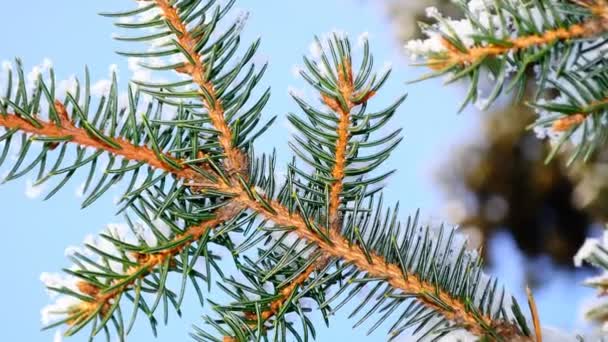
561, 41
560, 45
304, 245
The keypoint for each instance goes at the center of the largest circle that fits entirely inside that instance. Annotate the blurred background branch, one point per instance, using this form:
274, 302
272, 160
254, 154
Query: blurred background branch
499, 181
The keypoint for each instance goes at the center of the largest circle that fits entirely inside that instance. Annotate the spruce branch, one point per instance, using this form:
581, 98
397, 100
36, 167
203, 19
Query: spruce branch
346, 88
357, 252
559, 44
332, 243
377, 266
577, 116
342, 102
211, 183
454, 56
100, 298
66, 131
235, 161
187, 31
335, 138
95, 127
195, 68
506, 39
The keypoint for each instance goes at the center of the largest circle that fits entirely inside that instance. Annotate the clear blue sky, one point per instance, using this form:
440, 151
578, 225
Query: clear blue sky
35, 233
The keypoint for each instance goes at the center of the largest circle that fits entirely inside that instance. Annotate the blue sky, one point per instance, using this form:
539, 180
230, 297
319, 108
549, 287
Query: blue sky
35, 233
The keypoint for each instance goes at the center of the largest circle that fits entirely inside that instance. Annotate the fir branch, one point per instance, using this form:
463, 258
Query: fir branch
102, 299
377, 266
197, 70
577, 116
454, 56
506, 39
335, 246
209, 194
67, 131
333, 139
346, 88
288, 291
346, 99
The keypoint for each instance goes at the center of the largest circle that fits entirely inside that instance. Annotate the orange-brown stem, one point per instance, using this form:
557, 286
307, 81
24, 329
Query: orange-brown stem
235, 158
453, 56
80, 137
346, 88
535, 317
347, 91
146, 265
338, 248
565, 123
286, 292
342, 249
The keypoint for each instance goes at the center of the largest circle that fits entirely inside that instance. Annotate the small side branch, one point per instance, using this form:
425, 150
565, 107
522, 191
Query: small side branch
287, 291
377, 266
197, 70
79, 136
146, 264
336, 246
454, 56
594, 26
346, 87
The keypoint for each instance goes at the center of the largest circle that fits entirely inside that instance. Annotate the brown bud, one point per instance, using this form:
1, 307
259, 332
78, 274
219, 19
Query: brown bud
87, 288
565, 123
